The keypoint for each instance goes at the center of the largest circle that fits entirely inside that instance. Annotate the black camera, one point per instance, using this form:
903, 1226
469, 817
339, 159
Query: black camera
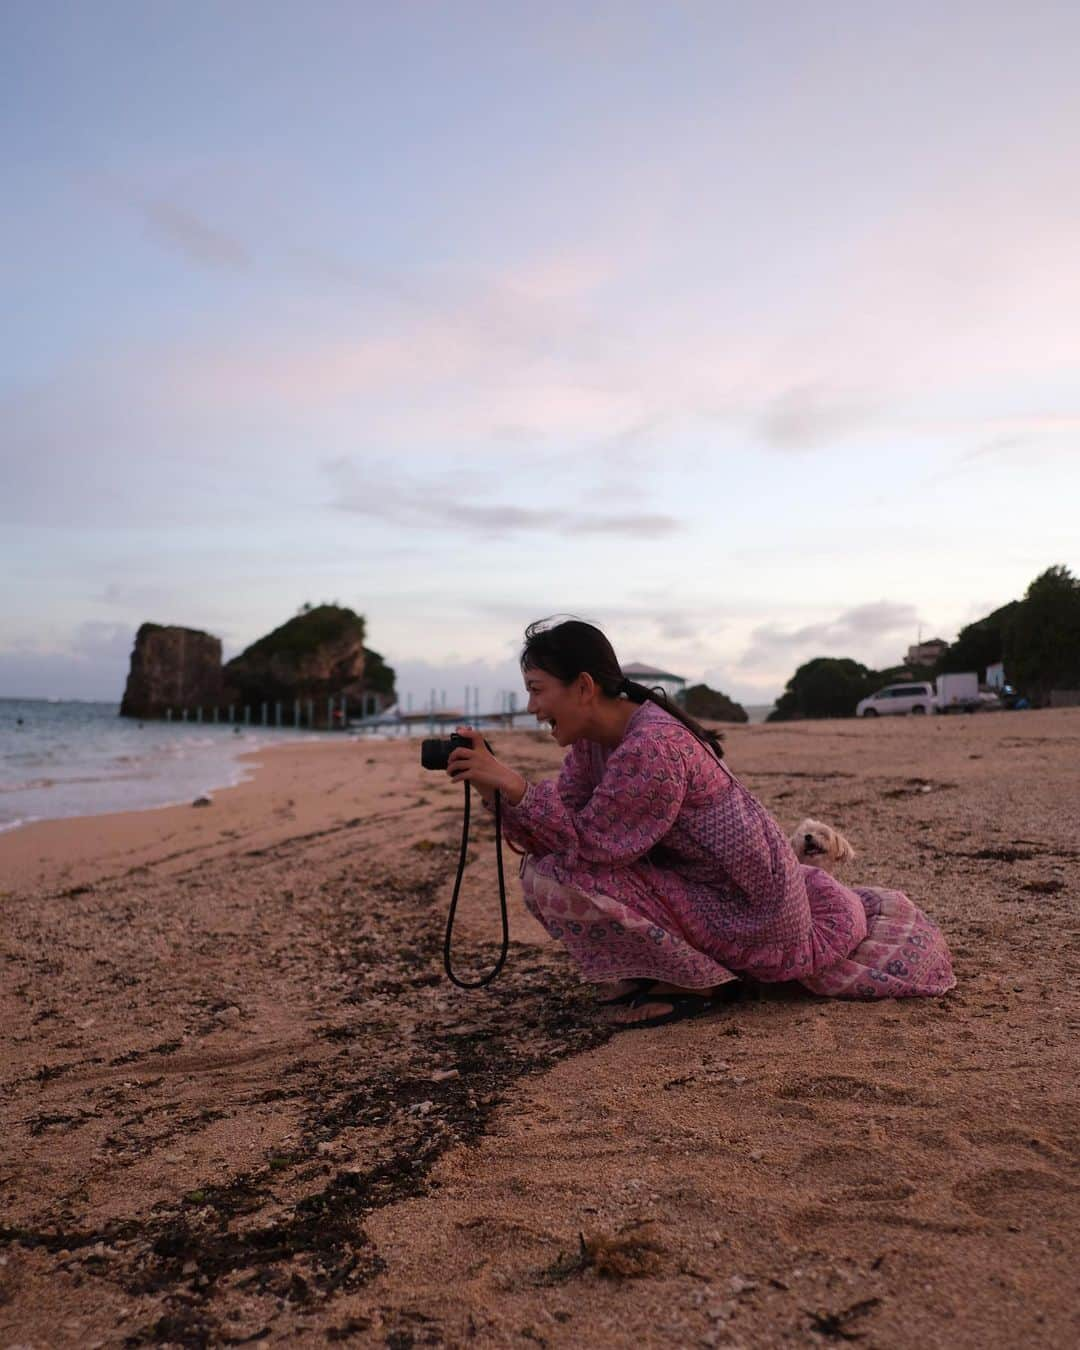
435, 754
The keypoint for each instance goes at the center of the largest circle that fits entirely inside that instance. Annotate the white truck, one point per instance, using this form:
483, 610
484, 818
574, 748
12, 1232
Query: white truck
958, 693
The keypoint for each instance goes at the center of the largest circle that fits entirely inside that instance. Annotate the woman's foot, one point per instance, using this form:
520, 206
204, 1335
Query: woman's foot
618, 992
661, 1003
648, 1003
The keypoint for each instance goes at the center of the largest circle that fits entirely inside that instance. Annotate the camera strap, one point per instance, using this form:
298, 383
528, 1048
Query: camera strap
486, 979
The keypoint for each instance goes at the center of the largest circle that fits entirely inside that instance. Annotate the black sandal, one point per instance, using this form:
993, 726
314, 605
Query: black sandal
637, 987
684, 1007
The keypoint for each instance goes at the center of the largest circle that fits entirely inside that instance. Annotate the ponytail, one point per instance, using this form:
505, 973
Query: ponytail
640, 693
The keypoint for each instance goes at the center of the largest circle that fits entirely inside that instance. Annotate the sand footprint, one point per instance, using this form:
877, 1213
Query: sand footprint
848, 1173
1016, 1194
838, 1087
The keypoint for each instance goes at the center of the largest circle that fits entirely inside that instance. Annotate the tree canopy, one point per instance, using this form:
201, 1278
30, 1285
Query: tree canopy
711, 705
980, 644
827, 686
1042, 637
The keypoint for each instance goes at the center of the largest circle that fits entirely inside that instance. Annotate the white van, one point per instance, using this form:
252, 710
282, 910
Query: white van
897, 698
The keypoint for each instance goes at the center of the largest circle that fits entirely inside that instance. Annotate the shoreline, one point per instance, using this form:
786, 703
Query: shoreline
32, 851
243, 1103
224, 768
64, 842
144, 774
239, 778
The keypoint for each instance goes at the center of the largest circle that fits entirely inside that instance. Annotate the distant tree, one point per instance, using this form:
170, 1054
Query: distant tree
1042, 637
827, 686
711, 705
980, 644
896, 674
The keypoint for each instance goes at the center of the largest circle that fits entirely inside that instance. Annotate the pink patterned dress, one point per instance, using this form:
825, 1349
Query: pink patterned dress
652, 860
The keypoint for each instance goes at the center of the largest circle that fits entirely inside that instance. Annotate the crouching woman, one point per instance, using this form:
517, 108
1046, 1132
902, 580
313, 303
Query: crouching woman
663, 876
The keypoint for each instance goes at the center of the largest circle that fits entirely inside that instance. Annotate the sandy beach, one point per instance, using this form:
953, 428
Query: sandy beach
242, 1105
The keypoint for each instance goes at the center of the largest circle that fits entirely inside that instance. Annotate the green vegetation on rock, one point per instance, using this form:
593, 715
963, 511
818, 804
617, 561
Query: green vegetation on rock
305, 632
378, 676
319, 652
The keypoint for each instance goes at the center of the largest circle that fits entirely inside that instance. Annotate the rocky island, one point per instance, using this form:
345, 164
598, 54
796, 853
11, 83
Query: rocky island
172, 668
317, 656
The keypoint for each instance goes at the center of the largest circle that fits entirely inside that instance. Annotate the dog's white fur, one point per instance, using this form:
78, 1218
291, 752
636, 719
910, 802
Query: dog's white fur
820, 845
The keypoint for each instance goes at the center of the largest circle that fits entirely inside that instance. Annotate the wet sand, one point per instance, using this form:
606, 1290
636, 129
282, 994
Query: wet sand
242, 1105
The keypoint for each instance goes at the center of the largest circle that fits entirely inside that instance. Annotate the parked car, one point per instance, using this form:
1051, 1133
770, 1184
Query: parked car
897, 698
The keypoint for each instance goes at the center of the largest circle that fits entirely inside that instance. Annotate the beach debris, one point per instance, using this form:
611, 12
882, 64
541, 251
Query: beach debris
1009, 855
631, 1253
835, 1325
913, 787
720, 1311
350, 1327
444, 1075
679, 1082
739, 1284
204, 799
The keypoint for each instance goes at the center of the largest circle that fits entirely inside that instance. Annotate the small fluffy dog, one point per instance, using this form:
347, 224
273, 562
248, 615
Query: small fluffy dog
820, 845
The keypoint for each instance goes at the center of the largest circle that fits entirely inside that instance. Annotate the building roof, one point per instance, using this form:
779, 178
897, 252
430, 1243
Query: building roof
637, 671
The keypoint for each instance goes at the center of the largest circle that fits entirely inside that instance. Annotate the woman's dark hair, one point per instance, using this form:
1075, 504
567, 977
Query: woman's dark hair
570, 647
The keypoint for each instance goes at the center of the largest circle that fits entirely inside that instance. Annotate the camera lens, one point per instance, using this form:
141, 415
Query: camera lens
435, 754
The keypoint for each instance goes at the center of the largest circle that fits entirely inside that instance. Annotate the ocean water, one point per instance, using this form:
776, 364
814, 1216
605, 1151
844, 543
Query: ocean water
61, 759
78, 759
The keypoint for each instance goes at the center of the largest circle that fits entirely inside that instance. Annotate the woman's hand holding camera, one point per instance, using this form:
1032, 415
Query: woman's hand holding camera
478, 766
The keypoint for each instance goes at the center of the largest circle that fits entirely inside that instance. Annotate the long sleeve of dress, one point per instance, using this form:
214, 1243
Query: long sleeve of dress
574, 785
616, 820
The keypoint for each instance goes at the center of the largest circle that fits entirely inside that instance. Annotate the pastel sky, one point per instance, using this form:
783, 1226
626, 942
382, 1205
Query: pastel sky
748, 330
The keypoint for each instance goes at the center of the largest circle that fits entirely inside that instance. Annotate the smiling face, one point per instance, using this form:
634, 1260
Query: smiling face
564, 706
